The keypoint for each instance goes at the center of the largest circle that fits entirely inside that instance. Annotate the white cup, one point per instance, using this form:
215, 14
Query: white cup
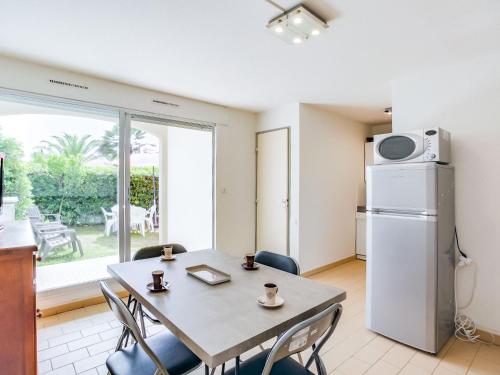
167, 252
271, 292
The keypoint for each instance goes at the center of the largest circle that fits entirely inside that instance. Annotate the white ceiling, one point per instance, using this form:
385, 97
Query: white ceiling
220, 50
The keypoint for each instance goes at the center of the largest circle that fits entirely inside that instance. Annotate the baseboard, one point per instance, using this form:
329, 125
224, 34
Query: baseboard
489, 337
77, 305
328, 266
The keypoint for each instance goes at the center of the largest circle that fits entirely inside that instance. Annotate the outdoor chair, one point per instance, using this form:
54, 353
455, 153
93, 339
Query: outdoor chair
311, 333
162, 354
110, 222
53, 238
138, 219
37, 218
150, 216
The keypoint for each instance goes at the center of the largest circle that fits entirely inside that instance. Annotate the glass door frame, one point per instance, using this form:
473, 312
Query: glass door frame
126, 118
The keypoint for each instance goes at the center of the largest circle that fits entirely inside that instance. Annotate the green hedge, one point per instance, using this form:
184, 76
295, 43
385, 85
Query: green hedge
96, 188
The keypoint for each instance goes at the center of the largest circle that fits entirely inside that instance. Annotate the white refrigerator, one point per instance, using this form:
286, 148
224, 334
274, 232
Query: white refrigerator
410, 253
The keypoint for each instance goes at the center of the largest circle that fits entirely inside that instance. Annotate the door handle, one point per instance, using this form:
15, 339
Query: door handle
284, 202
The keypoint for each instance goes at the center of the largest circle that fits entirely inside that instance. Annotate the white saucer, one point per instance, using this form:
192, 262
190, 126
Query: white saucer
262, 300
167, 259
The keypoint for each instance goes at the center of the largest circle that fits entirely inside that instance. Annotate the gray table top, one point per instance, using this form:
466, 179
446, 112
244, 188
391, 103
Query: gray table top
223, 321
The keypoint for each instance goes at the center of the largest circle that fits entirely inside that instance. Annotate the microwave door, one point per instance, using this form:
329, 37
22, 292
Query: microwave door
398, 148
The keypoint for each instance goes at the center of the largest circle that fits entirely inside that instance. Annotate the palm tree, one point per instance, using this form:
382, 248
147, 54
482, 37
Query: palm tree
108, 146
72, 145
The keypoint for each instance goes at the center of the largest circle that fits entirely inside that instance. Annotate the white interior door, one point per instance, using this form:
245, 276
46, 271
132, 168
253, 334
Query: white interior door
272, 191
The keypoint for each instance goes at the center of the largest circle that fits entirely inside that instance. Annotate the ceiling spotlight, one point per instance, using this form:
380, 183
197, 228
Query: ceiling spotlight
296, 25
388, 111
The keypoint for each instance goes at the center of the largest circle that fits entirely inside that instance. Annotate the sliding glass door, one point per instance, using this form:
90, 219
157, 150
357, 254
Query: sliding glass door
97, 184
170, 183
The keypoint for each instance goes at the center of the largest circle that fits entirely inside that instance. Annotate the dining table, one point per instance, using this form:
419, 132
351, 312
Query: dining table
221, 322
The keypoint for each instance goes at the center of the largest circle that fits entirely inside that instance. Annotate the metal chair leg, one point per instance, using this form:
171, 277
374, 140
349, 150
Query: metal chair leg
134, 314
141, 318
237, 365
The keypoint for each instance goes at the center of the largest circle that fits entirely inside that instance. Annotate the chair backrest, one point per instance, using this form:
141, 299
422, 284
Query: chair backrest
34, 214
106, 214
156, 251
125, 317
304, 335
152, 210
278, 261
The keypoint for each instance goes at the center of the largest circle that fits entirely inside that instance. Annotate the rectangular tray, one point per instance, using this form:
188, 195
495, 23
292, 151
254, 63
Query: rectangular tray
208, 274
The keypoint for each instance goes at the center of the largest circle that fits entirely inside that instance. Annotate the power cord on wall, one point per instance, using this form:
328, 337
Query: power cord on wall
465, 328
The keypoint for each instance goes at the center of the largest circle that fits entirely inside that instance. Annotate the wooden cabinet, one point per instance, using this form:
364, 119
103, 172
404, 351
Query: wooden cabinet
17, 300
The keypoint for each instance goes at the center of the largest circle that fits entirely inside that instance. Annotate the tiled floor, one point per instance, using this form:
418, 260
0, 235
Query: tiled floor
80, 341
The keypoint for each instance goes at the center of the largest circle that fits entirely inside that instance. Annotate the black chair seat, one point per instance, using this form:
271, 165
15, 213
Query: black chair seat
255, 365
174, 355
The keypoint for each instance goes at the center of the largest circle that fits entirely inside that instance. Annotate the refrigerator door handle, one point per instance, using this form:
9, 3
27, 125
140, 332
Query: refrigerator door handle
402, 216
400, 212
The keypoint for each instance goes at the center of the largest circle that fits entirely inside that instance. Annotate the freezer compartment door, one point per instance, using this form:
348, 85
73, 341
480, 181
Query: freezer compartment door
402, 279
402, 187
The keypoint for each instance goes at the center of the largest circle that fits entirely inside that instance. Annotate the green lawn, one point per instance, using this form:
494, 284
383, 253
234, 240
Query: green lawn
96, 244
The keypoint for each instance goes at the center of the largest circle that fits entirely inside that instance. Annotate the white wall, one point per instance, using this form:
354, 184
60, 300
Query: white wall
465, 99
235, 145
287, 116
331, 185
327, 181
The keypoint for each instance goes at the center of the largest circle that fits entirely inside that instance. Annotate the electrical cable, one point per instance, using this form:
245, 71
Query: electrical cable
458, 245
465, 327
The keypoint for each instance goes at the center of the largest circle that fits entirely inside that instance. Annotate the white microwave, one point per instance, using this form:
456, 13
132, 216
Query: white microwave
423, 145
